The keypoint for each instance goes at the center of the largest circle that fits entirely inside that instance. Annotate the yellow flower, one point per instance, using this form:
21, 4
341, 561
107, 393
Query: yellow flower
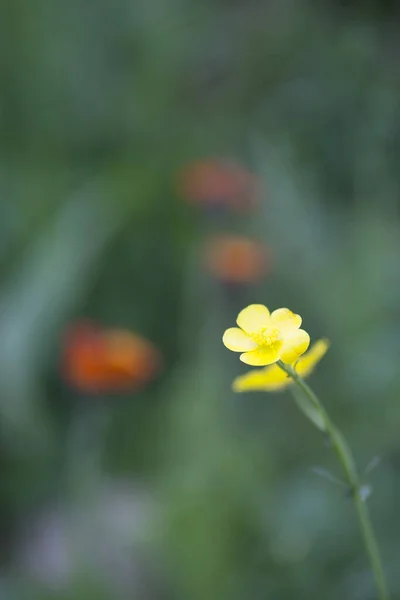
273, 378
265, 338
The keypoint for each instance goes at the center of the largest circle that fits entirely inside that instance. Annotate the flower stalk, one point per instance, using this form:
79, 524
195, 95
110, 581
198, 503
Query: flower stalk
348, 464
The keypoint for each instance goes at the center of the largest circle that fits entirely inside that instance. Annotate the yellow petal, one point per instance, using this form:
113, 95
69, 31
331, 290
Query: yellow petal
294, 346
269, 379
307, 362
266, 355
285, 320
253, 318
237, 340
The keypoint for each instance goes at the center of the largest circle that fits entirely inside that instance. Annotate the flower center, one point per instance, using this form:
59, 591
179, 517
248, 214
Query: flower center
266, 337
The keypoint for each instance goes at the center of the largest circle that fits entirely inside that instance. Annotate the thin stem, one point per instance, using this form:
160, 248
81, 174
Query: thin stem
85, 447
346, 459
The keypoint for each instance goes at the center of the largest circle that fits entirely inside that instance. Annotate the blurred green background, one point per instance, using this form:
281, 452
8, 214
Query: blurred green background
183, 490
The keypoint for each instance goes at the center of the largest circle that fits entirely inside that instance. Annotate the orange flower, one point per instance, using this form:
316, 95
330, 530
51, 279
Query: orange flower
236, 259
215, 182
109, 360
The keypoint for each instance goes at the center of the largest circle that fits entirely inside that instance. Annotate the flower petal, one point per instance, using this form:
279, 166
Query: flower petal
294, 346
237, 340
253, 318
269, 379
266, 355
285, 320
307, 362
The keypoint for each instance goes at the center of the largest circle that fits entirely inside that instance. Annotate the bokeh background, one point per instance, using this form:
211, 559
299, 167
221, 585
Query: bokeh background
133, 136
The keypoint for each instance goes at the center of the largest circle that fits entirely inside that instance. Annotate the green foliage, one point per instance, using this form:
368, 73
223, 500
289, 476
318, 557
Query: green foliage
102, 104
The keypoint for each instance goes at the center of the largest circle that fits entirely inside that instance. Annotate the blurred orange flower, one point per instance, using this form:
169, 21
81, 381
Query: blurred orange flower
236, 259
216, 182
107, 360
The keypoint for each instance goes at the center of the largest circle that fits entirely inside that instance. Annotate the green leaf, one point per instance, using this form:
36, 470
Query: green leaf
307, 408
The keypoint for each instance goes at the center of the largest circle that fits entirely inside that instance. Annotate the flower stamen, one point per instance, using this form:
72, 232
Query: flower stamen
266, 336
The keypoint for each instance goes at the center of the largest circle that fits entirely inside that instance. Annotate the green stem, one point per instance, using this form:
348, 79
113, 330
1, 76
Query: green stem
346, 459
